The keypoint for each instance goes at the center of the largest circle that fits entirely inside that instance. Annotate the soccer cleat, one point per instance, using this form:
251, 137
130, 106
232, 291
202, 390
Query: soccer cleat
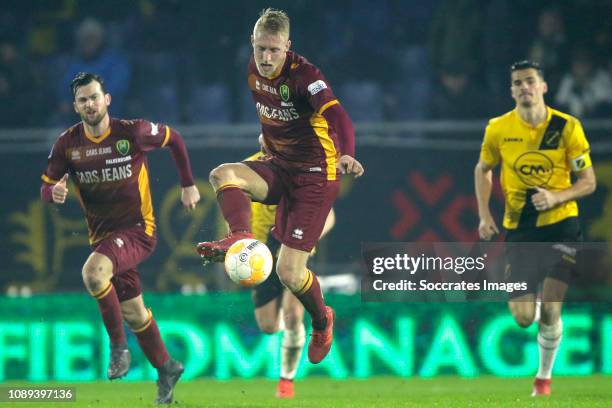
169, 375
321, 340
214, 251
541, 387
119, 363
284, 389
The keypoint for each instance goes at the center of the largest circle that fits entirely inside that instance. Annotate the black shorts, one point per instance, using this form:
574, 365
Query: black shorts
530, 259
272, 287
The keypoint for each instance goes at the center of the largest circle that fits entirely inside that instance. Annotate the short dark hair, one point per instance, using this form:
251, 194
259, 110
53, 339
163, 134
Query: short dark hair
527, 64
85, 78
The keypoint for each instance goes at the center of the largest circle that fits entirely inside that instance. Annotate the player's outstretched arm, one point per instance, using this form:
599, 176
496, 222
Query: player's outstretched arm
55, 193
483, 183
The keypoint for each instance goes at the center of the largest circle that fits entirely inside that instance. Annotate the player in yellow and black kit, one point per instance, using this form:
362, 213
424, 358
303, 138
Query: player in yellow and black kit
275, 307
538, 147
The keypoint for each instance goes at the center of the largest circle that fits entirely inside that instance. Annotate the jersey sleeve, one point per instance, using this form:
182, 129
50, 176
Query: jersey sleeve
314, 87
149, 136
489, 151
578, 149
57, 163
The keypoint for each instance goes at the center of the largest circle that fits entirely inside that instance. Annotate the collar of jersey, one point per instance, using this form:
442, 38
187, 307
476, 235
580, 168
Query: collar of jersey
100, 138
527, 125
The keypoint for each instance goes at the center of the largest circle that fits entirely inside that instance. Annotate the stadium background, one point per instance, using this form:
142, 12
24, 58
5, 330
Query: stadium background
419, 78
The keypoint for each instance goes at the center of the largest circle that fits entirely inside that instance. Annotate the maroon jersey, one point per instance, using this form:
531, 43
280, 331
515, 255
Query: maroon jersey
110, 173
290, 108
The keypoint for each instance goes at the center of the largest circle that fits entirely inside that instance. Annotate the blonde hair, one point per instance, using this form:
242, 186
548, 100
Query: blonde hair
273, 21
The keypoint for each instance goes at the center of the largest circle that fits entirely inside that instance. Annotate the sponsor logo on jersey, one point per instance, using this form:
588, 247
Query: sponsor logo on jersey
119, 242
513, 139
75, 154
533, 168
97, 151
257, 85
154, 129
285, 115
284, 92
118, 160
123, 146
316, 87
105, 175
267, 88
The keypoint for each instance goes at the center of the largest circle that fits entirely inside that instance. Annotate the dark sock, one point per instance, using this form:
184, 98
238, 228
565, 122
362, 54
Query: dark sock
108, 303
236, 207
151, 343
312, 298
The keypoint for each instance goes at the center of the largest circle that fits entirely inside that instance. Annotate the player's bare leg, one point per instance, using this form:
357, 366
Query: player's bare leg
97, 273
523, 309
140, 320
294, 337
292, 271
268, 316
550, 330
235, 184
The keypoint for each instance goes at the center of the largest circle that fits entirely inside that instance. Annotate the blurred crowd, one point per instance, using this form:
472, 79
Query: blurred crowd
185, 61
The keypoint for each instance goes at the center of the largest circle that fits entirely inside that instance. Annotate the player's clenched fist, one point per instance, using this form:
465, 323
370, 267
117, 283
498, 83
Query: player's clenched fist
350, 165
60, 191
190, 197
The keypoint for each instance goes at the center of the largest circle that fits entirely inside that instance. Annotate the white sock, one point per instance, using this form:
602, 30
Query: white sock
291, 351
549, 338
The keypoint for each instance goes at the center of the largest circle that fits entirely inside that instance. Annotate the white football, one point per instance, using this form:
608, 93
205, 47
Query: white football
248, 262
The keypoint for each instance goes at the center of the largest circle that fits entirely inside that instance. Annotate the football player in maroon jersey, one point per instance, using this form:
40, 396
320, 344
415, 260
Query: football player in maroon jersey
106, 160
310, 139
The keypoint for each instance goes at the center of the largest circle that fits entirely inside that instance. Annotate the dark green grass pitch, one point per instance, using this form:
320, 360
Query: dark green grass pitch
595, 391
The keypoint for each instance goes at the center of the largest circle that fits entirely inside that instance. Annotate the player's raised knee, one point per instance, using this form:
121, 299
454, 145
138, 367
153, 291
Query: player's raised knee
221, 174
96, 275
290, 275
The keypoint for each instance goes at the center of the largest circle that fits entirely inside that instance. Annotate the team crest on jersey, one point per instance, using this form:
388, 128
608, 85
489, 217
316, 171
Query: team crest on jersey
284, 92
123, 146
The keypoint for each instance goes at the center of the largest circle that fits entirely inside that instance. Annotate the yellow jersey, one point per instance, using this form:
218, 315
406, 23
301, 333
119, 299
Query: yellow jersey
540, 156
262, 215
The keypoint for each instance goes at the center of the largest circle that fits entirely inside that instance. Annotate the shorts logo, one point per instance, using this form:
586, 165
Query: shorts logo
297, 233
119, 242
123, 146
284, 92
316, 87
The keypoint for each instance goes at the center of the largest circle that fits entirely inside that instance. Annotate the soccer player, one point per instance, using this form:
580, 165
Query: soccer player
311, 141
106, 159
275, 307
537, 147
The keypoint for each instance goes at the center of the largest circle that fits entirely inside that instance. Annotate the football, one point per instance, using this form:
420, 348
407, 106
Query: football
248, 262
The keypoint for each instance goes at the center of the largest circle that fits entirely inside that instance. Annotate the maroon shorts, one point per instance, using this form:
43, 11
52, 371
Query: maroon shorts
304, 200
126, 249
